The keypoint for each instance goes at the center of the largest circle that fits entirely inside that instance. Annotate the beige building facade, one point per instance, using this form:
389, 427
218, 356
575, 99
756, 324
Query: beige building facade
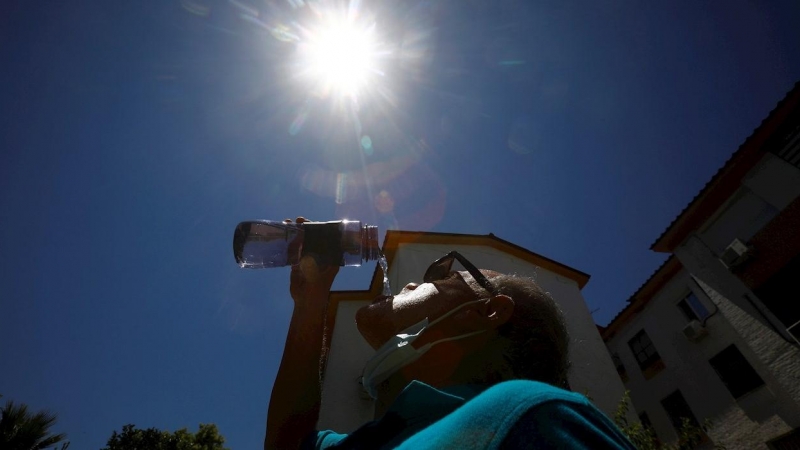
714, 333
345, 407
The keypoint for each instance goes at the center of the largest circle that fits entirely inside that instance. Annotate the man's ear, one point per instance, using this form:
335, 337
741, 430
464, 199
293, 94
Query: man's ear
500, 309
490, 314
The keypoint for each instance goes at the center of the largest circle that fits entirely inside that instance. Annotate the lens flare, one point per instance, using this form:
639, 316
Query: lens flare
384, 202
366, 144
341, 188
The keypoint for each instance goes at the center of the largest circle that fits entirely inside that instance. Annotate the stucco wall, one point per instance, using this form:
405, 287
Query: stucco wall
776, 410
344, 407
686, 366
774, 180
699, 259
747, 422
766, 190
740, 318
592, 373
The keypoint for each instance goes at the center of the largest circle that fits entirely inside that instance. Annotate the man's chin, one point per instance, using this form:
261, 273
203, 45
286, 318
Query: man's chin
382, 298
366, 324
375, 344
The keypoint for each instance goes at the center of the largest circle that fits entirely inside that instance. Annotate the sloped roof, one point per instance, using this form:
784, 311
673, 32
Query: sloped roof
637, 302
728, 178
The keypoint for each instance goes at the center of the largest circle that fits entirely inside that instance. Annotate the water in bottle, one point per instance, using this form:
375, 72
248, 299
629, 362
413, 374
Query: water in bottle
263, 243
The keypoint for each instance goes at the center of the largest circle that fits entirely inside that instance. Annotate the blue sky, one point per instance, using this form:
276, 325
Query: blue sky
135, 135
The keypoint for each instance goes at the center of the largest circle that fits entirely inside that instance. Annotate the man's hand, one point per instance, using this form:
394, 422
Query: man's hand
310, 282
296, 394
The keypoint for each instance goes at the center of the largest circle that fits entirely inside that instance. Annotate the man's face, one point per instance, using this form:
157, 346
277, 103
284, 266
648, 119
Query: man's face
385, 317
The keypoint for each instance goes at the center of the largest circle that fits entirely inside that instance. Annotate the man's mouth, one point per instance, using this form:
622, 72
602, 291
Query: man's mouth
381, 298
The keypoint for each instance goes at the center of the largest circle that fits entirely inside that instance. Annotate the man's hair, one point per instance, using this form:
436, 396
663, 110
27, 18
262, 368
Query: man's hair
533, 344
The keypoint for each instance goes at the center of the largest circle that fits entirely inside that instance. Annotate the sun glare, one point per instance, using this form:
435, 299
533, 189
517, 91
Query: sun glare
341, 57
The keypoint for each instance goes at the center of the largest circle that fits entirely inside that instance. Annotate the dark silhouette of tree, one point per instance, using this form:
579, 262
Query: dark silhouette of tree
132, 438
644, 438
22, 430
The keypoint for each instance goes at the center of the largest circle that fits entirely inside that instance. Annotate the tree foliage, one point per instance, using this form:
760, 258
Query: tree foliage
21, 429
132, 438
689, 435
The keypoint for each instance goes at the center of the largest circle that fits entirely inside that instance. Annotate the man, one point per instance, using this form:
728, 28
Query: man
468, 359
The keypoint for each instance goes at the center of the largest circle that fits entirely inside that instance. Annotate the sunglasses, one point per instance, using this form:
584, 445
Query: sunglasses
441, 268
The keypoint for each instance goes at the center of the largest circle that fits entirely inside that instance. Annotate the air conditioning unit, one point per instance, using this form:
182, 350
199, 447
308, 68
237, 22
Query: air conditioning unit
694, 331
737, 253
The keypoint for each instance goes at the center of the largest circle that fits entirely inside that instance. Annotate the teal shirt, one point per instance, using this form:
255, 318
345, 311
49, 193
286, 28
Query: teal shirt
509, 415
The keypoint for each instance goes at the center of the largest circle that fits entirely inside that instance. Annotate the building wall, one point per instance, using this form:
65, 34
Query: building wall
686, 367
777, 410
703, 262
344, 405
767, 189
754, 418
592, 373
774, 180
762, 212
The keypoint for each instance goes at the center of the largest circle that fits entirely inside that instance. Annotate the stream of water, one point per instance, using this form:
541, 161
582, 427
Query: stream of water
387, 289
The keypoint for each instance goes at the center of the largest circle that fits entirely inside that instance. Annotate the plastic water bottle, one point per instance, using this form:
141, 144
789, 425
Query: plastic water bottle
261, 244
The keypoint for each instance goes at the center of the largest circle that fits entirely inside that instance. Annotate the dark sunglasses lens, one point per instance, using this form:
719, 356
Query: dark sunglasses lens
438, 269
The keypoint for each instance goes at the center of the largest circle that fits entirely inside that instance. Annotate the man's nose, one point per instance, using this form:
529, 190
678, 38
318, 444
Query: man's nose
410, 286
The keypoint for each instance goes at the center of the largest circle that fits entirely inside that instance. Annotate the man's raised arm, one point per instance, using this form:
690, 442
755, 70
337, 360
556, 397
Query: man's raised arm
296, 395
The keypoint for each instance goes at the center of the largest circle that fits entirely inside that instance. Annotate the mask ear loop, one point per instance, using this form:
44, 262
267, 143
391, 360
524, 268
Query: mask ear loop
362, 390
453, 311
428, 346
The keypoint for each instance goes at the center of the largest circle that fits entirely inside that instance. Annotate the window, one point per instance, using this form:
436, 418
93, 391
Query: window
645, 419
734, 370
692, 308
687, 310
677, 409
788, 441
623, 374
776, 291
643, 349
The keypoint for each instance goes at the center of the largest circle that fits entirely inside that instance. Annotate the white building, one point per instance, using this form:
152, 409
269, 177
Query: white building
714, 333
344, 407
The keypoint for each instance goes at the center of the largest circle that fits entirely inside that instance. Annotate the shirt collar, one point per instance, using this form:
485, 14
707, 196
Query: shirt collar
421, 402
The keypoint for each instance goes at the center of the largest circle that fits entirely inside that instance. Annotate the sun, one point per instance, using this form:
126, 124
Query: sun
340, 56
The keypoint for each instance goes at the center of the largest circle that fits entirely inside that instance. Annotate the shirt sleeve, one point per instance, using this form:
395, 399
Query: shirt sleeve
565, 425
319, 440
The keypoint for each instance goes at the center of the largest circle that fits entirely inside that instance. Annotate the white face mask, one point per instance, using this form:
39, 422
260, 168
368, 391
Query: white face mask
398, 352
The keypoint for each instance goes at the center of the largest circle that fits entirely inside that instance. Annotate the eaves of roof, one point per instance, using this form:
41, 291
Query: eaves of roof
728, 178
639, 300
